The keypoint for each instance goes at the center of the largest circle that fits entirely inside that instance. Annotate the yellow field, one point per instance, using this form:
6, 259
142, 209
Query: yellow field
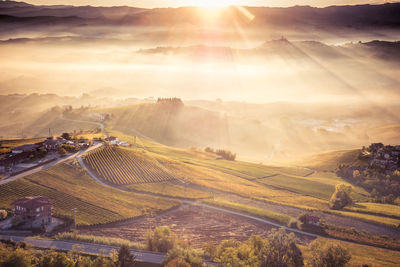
290, 186
376, 208
170, 189
278, 217
391, 222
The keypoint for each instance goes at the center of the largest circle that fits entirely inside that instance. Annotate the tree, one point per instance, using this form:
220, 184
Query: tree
125, 257
242, 256
328, 255
18, 258
177, 262
257, 244
66, 136
161, 239
102, 261
3, 214
179, 256
341, 197
281, 250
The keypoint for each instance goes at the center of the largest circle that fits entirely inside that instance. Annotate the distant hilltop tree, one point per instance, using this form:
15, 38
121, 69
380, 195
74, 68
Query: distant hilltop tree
223, 153
174, 101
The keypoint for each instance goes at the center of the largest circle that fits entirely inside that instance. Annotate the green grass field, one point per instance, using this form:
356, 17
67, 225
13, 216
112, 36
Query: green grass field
69, 187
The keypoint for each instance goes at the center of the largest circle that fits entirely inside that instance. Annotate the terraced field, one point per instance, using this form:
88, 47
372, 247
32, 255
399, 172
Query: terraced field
69, 187
125, 166
64, 203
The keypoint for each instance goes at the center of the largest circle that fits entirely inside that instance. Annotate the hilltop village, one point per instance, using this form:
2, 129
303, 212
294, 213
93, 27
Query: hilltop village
377, 169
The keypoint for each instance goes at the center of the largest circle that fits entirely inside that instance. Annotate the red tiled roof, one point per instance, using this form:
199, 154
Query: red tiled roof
32, 202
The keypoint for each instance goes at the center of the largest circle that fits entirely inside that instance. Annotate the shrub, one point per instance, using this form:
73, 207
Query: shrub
161, 239
328, 255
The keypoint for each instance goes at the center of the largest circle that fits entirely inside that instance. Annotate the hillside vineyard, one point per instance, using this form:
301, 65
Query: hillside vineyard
122, 166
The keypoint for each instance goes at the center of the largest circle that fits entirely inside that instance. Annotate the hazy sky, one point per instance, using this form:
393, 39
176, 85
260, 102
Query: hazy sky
175, 3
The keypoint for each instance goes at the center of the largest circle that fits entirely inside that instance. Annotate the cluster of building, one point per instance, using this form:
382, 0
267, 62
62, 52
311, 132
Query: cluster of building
384, 157
24, 152
115, 141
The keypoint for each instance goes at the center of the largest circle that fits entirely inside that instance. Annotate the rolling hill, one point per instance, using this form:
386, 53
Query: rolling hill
330, 161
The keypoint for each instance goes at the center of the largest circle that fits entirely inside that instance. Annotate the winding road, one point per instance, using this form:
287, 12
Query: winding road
95, 248
47, 165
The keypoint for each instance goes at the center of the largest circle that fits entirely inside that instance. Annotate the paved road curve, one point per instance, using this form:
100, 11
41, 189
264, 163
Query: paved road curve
47, 165
144, 256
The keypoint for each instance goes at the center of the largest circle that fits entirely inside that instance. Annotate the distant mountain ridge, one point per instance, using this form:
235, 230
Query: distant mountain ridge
359, 16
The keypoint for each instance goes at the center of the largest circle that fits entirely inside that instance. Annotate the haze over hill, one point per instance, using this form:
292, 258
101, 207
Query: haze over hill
317, 88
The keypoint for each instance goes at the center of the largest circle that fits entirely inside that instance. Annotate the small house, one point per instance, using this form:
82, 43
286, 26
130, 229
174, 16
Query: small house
34, 211
113, 140
51, 144
312, 220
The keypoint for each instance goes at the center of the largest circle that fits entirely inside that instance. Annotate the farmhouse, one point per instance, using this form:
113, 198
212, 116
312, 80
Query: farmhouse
112, 139
312, 220
52, 144
34, 211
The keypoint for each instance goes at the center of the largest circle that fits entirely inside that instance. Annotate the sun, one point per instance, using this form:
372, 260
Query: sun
213, 3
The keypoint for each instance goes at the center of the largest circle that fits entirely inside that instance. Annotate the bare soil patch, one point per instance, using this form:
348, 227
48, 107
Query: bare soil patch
195, 224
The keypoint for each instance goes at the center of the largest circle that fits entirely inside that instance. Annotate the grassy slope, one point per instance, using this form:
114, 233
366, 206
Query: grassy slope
331, 160
235, 177
376, 208
70, 187
277, 217
284, 185
170, 189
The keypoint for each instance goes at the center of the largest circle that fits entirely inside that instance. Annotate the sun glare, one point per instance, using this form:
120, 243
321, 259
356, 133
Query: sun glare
213, 3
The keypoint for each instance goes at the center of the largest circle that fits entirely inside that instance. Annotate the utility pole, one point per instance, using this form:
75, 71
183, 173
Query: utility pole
185, 190
74, 211
135, 142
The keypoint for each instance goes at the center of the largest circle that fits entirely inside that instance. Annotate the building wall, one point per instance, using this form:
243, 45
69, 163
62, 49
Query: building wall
40, 221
